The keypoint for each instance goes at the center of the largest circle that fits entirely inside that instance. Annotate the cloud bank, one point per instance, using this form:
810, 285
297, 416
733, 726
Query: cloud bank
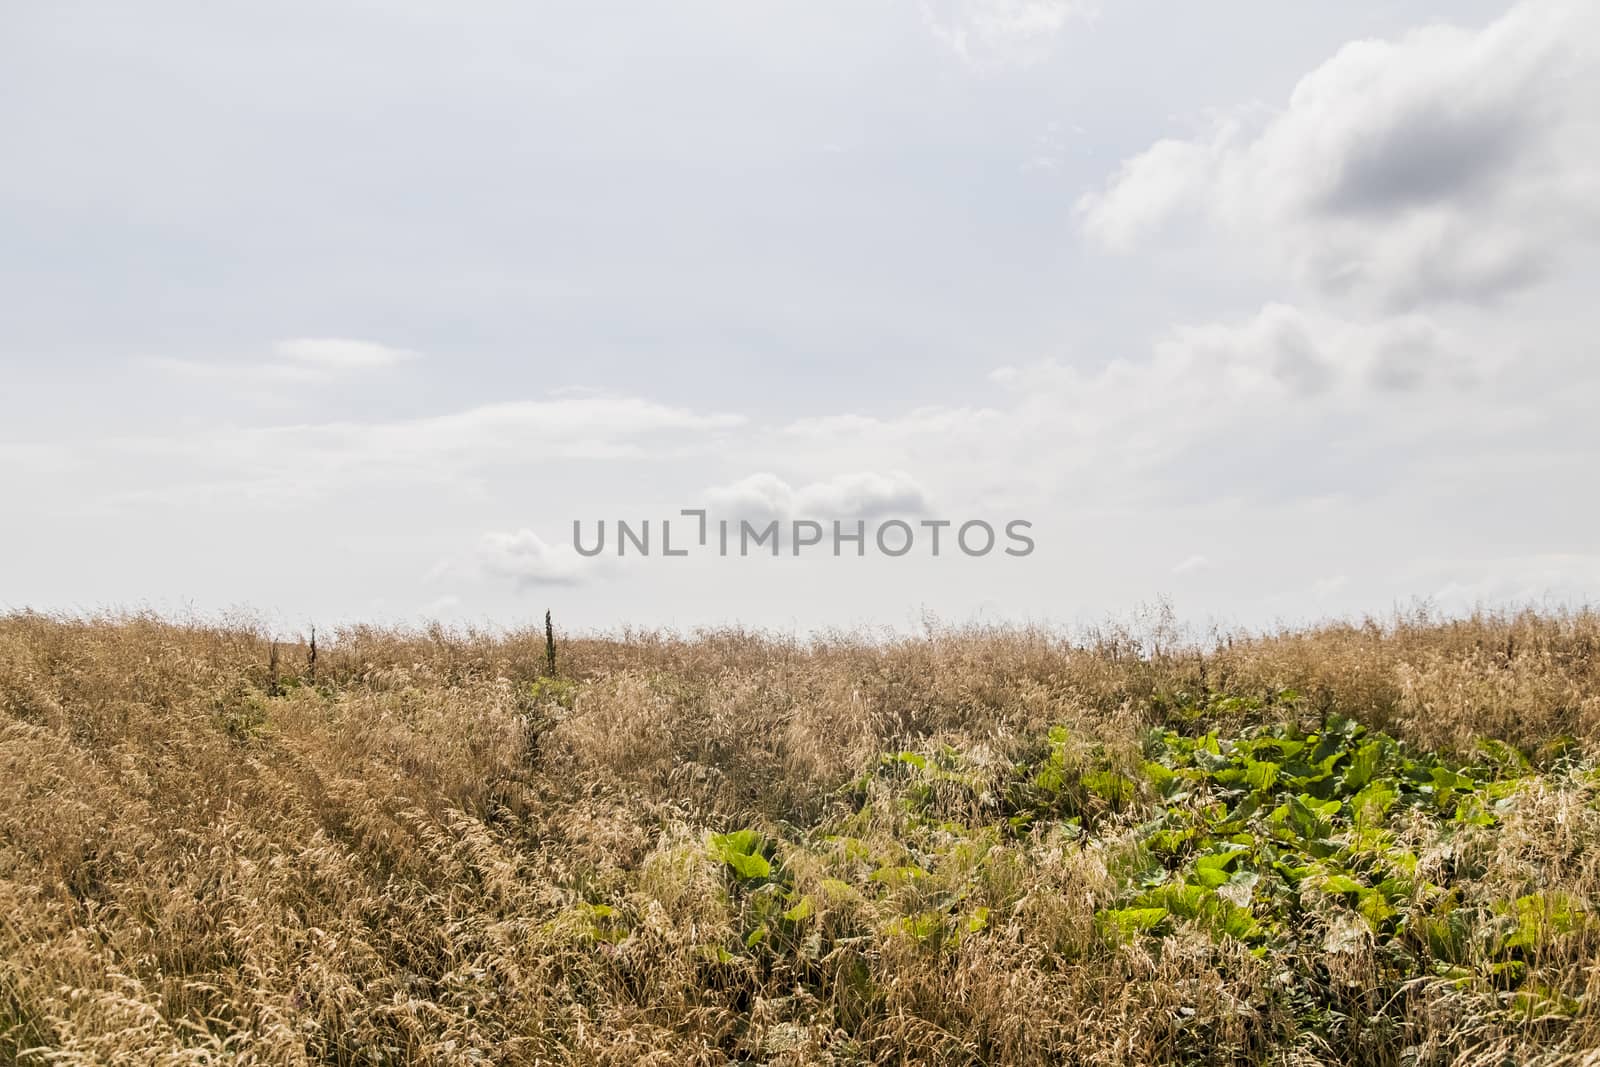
1446, 165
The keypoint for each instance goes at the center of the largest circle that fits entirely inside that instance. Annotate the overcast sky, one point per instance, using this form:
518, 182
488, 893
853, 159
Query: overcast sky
343, 310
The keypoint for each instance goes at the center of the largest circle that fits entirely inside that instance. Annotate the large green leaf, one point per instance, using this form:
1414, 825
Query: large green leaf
743, 851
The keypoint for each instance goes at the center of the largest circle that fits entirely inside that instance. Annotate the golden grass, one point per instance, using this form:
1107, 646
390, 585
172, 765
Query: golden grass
429, 855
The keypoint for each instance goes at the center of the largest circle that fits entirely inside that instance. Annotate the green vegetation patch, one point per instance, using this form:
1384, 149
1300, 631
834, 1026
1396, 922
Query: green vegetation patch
1294, 844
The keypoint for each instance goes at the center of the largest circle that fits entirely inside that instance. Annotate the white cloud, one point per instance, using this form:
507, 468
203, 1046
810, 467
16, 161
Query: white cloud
301, 361
1260, 406
267, 466
1150, 188
1305, 353
1569, 579
524, 557
994, 33
1193, 565
1328, 587
338, 353
527, 559
573, 425
1203, 374
257, 373
863, 495
36, 458
1446, 165
445, 606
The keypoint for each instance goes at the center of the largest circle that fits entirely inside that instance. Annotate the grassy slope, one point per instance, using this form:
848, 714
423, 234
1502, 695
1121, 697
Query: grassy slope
979, 847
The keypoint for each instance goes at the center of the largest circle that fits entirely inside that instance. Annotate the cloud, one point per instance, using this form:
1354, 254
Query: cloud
338, 353
300, 361
1447, 165
528, 560
1328, 587
1569, 579
258, 373
37, 459
1305, 353
863, 495
270, 466
1151, 188
998, 33
1211, 373
1277, 403
525, 558
441, 607
571, 425
1193, 565
866, 497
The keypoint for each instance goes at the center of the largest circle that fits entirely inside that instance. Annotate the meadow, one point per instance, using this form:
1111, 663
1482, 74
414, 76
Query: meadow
1373, 843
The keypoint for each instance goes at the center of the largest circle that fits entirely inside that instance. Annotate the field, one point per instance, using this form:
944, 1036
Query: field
1373, 844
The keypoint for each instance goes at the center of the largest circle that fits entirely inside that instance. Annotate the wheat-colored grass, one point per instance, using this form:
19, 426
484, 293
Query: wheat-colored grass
428, 854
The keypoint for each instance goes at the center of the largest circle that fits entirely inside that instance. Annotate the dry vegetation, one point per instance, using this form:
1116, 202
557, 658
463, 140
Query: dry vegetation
975, 847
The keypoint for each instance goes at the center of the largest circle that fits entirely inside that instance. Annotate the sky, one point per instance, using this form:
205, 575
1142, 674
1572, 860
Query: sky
344, 311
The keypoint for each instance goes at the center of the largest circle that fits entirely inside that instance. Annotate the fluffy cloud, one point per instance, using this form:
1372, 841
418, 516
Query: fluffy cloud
1259, 406
525, 558
992, 33
1305, 353
864, 495
1445, 165
1209, 373
1152, 187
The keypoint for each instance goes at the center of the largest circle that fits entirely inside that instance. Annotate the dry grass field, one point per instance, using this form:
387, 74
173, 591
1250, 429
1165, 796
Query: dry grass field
1373, 844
